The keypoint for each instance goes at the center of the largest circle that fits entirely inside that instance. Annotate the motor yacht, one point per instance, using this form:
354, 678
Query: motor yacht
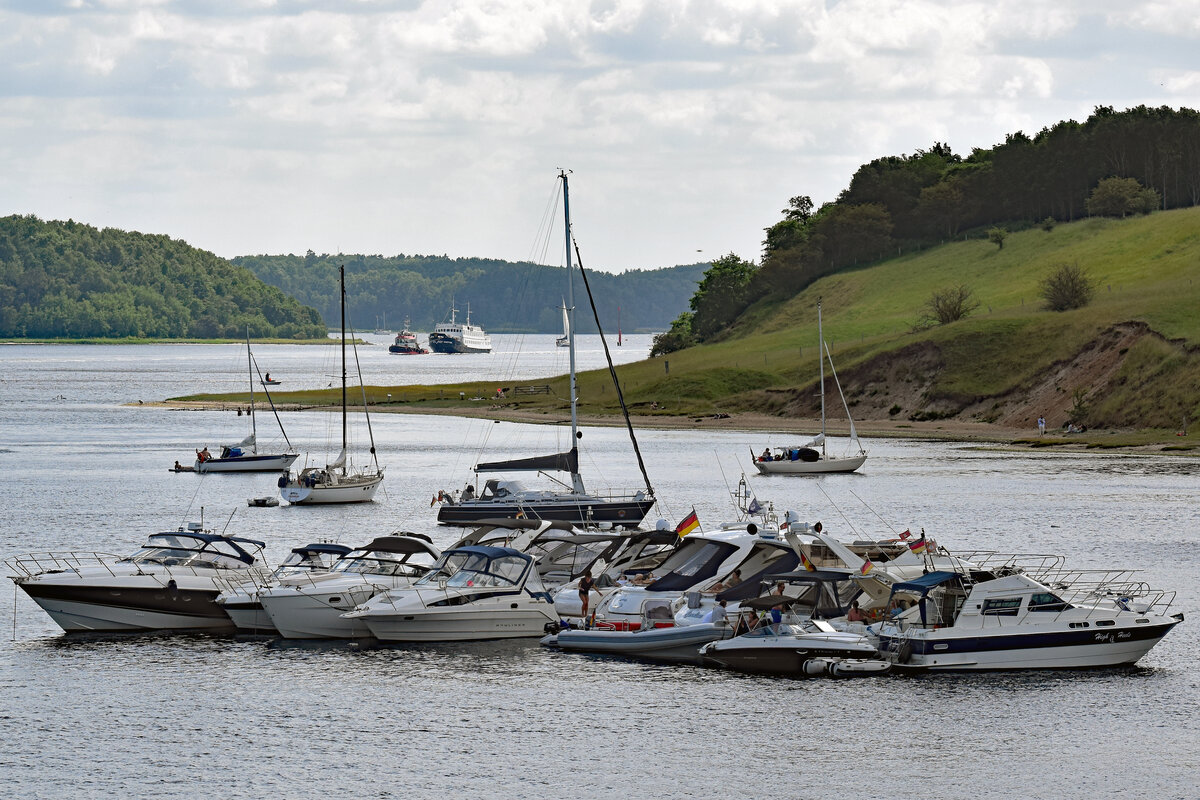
957, 620
475, 592
785, 649
170, 583
241, 601
311, 606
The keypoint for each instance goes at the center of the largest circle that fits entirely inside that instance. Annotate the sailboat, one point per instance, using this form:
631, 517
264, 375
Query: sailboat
565, 339
805, 459
244, 456
573, 503
336, 482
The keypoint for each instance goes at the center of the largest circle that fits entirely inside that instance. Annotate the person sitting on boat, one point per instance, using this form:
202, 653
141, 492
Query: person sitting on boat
643, 578
468, 493
268, 378
178, 467
734, 579
203, 455
718, 615
746, 622
766, 456
855, 614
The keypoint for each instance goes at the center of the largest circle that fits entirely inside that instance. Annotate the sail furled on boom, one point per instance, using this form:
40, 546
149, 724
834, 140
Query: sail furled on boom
556, 462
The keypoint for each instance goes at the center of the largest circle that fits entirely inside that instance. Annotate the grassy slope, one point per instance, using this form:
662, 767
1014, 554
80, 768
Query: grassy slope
1148, 270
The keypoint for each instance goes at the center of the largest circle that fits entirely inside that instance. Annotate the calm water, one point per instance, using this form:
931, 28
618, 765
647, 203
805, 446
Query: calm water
168, 716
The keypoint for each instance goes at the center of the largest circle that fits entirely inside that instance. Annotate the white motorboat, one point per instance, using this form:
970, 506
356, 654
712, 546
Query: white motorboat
171, 583
459, 337
338, 482
244, 456
784, 649
957, 620
474, 593
699, 562
573, 503
805, 459
311, 606
637, 553
241, 601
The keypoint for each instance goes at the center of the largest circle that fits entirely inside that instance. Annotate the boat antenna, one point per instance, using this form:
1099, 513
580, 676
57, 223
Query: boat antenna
613, 372
250, 374
231, 513
576, 478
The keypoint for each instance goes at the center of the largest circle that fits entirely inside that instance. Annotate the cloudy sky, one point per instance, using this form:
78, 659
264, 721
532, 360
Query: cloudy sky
437, 126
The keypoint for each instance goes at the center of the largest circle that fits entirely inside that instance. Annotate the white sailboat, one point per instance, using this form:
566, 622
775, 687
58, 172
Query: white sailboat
244, 456
565, 339
805, 459
337, 482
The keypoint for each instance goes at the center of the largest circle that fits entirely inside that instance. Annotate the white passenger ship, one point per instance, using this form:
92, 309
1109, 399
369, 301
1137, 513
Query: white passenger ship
453, 337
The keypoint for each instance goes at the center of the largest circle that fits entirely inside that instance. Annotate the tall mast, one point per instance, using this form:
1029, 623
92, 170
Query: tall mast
821, 364
250, 374
342, 281
576, 479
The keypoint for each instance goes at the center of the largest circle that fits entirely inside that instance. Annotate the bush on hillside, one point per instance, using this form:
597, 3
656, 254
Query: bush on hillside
1120, 197
677, 338
950, 304
1068, 286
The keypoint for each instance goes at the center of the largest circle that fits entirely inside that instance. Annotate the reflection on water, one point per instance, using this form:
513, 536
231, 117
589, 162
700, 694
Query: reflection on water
167, 716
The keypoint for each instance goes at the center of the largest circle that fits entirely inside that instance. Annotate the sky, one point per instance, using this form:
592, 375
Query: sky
439, 126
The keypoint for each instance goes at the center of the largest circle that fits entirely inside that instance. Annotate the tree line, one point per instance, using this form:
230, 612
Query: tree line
1112, 164
70, 280
503, 296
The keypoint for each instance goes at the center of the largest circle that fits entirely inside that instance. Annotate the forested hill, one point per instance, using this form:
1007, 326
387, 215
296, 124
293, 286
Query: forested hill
70, 280
503, 295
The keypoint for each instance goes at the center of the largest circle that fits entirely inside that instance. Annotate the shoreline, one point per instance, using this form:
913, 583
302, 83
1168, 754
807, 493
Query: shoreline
947, 430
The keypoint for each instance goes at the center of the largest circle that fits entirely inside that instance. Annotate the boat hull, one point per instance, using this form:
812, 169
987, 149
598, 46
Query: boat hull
303, 615
263, 463
405, 350
823, 466
1068, 649
468, 625
441, 343
249, 616
349, 492
674, 644
78, 608
627, 513
784, 655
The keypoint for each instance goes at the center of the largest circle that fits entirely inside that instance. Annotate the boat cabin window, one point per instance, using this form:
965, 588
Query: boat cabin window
479, 570
1045, 601
1001, 607
693, 562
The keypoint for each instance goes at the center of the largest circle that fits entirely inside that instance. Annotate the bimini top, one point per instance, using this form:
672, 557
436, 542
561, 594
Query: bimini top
172, 539
488, 551
401, 544
923, 584
322, 547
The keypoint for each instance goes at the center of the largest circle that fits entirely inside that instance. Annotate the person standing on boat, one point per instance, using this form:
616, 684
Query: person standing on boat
586, 584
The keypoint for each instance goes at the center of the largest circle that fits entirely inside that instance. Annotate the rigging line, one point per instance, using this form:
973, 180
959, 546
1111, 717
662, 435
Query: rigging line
611, 369
275, 411
366, 410
873, 511
728, 493
839, 510
231, 513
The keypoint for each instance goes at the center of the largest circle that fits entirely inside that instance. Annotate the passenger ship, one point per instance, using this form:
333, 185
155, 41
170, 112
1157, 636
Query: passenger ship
453, 337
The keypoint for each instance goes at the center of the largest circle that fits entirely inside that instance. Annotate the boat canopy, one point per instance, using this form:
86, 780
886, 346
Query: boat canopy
751, 585
322, 547
925, 583
557, 462
401, 544
197, 541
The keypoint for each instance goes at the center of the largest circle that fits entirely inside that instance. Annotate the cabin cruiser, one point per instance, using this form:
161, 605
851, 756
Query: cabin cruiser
310, 606
699, 562
406, 343
963, 620
456, 337
787, 649
473, 593
171, 583
241, 601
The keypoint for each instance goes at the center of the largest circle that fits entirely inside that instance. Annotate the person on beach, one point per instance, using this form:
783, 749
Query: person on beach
1041, 426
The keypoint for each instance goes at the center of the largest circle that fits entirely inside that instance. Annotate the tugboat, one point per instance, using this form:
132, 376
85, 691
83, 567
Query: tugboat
406, 343
454, 337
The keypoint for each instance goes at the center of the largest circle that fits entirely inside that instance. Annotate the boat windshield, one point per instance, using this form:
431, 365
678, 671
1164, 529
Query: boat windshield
446, 566
479, 570
174, 550
374, 562
693, 562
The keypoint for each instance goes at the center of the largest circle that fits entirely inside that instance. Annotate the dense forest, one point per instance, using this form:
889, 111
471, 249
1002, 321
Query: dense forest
503, 295
69, 280
902, 203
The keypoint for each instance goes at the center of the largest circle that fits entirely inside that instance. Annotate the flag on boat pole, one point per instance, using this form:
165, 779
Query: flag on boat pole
808, 565
688, 524
754, 506
918, 546
866, 567
905, 535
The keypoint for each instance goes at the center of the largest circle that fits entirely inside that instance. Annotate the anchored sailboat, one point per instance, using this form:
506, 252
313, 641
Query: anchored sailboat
500, 498
565, 339
336, 482
805, 459
244, 456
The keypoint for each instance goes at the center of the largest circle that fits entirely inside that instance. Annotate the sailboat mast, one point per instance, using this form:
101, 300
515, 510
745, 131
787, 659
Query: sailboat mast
821, 364
342, 281
250, 374
576, 480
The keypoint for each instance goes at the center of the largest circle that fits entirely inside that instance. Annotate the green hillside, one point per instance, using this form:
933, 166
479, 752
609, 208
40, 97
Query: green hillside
69, 280
1128, 360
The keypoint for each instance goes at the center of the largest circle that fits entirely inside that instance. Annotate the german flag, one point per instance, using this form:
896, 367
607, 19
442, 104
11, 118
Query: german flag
808, 565
866, 568
688, 524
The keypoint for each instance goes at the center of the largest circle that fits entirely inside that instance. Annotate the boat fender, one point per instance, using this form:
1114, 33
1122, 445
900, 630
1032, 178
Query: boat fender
815, 666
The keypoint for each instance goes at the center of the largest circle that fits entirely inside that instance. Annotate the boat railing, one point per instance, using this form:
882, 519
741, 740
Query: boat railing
1029, 563
31, 564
